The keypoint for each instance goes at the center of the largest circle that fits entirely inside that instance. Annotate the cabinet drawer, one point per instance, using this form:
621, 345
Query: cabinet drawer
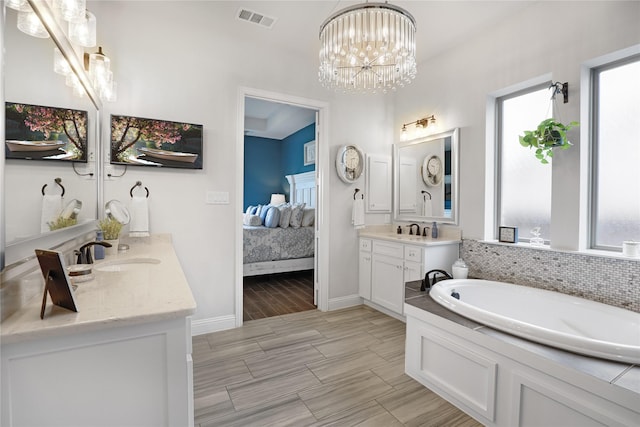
389, 249
365, 245
413, 253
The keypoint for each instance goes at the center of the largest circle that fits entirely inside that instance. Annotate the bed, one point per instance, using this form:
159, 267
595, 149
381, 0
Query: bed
277, 250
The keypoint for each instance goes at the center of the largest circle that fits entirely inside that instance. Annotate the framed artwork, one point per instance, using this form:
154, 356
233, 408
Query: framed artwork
36, 132
310, 153
160, 143
508, 234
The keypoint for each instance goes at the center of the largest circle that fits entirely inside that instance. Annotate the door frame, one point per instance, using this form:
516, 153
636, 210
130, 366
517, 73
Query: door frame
322, 191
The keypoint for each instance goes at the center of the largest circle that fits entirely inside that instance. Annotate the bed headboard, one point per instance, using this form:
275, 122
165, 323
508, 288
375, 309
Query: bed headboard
302, 188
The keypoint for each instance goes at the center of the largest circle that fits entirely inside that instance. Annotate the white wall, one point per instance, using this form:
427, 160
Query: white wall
186, 64
547, 37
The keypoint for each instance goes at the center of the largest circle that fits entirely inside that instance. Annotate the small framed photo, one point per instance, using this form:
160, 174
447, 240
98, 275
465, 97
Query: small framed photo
310, 153
508, 234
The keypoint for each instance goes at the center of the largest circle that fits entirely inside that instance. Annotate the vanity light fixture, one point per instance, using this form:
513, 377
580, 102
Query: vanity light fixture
420, 124
368, 47
83, 31
99, 67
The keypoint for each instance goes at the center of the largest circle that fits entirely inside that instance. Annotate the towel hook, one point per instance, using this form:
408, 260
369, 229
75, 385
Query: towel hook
356, 192
58, 181
423, 195
138, 184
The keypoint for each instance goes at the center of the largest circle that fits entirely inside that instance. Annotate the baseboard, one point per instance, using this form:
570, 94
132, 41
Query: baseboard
215, 324
344, 302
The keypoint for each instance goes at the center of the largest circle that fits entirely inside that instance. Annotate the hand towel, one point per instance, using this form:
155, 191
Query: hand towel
139, 225
427, 208
357, 213
51, 208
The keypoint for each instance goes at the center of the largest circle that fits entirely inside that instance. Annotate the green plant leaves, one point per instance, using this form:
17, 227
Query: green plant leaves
548, 135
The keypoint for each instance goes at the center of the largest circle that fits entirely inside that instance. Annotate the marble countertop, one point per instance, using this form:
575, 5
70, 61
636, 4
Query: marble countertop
408, 238
624, 375
146, 293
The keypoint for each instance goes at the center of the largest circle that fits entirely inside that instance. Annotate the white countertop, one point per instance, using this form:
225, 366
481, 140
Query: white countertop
408, 238
147, 293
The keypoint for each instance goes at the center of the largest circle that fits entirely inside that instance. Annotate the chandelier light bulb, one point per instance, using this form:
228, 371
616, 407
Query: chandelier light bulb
60, 63
19, 5
71, 10
83, 31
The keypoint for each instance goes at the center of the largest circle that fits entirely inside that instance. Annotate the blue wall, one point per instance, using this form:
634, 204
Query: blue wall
267, 161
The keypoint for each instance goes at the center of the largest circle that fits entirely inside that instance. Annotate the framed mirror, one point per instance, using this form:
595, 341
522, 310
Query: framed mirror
425, 177
30, 79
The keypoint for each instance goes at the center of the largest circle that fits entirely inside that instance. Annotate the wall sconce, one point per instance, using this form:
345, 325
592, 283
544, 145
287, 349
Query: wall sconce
420, 124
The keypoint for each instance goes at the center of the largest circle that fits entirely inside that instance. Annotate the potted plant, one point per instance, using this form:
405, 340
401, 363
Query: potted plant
111, 233
548, 135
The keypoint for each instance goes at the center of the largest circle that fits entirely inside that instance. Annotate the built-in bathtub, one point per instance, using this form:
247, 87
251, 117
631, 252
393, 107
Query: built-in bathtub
559, 320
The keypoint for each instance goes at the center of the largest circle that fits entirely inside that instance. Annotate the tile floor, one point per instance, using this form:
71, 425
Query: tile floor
339, 368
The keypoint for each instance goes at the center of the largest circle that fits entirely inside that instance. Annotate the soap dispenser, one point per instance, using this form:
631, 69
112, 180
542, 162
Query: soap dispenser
399, 231
434, 230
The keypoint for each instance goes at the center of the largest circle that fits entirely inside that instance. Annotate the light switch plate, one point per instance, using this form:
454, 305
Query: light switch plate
217, 198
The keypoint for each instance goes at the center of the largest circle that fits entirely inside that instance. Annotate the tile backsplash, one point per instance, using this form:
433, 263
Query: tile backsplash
608, 280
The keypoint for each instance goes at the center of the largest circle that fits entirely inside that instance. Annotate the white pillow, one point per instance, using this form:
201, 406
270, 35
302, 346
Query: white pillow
253, 220
308, 217
296, 215
285, 216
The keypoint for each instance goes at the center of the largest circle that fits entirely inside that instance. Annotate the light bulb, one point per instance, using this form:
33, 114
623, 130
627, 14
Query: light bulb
83, 31
29, 23
60, 63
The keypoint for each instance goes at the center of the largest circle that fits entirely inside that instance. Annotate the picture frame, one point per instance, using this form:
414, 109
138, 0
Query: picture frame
57, 281
310, 153
508, 234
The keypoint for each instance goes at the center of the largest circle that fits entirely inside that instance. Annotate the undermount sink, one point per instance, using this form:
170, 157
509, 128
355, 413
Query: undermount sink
126, 264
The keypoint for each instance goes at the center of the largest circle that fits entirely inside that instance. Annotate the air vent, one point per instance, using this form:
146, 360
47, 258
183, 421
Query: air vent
256, 18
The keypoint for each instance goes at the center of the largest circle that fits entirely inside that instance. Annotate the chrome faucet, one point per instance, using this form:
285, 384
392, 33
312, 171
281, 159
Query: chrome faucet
84, 253
411, 229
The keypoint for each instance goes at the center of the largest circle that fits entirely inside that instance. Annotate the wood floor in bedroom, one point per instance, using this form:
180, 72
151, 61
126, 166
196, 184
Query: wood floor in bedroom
276, 294
338, 368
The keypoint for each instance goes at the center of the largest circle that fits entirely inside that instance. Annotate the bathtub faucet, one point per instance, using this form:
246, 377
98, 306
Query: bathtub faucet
437, 276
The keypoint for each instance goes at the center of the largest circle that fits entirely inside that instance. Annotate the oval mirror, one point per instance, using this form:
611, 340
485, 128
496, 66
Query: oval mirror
426, 179
116, 210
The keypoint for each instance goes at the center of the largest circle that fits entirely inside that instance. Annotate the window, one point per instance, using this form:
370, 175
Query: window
615, 156
524, 184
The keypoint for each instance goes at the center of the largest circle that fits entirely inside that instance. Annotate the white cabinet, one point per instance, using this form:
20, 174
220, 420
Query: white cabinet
378, 189
364, 269
385, 267
504, 385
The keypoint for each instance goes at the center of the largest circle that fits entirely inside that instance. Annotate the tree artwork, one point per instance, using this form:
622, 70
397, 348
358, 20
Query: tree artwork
55, 123
127, 131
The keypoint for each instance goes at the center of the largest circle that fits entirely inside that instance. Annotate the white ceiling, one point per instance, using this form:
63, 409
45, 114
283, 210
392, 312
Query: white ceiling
441, 25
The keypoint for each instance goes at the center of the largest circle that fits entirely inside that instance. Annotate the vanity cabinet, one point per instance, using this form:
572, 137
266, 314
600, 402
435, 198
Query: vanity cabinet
378, 184
386, 266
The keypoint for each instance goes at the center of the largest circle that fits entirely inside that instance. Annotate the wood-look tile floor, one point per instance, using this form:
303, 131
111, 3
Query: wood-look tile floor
338, 368
276, 294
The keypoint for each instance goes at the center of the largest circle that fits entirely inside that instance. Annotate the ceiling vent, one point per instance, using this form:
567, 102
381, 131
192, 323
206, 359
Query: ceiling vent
256, 18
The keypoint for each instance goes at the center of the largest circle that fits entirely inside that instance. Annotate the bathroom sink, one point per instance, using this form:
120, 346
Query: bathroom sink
126, 264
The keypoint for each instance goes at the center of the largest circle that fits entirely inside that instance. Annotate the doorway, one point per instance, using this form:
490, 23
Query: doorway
291, 277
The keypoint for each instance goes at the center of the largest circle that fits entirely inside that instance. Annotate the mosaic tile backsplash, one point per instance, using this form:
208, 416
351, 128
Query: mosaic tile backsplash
611, 281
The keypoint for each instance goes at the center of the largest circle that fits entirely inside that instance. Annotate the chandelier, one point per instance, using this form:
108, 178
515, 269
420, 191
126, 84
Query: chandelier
368, 47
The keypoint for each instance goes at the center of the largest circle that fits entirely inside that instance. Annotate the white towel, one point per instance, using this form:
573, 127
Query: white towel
139, 225
51, 208
357, 214
427, 208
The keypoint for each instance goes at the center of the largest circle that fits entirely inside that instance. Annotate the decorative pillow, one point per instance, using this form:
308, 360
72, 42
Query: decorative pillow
263, 212
253, 220
285, 216
249, 209
272, 219
256, 211
308, 217
296, 215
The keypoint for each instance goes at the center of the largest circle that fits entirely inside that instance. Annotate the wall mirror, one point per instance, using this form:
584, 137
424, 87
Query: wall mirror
29, 79
426, 178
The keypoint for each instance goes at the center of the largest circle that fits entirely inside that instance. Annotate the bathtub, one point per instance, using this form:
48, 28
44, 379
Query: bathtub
559, 320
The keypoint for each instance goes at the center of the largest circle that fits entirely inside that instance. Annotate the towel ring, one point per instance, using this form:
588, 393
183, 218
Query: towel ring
356, 192
58, 181
423, 194
138, 184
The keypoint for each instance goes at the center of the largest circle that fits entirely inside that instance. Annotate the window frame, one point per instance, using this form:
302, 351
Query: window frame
499, 101
593, 166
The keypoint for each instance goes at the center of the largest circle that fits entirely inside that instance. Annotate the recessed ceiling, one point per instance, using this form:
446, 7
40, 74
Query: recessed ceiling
268, 119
